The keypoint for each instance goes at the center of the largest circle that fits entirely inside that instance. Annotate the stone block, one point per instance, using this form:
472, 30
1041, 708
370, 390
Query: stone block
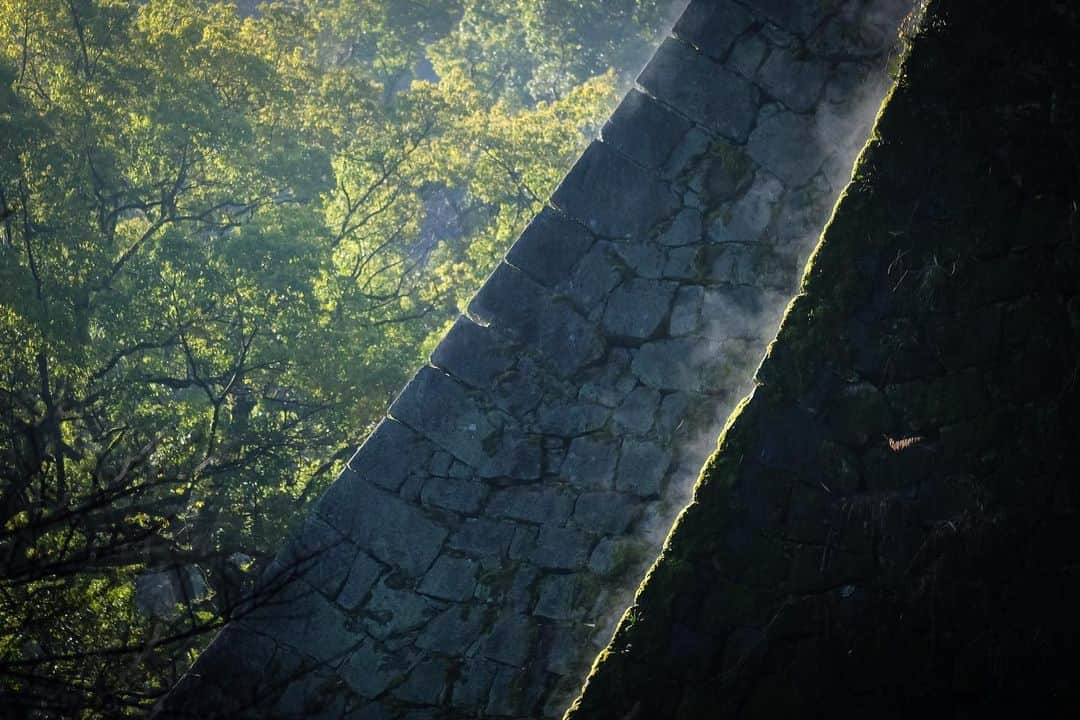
644, 130
701, 89
560, 548
590, 462
464, 496
686, 311
384, 525
453, 630
556, 600
482, 538
362, 575
642, 468
524, 310
425, 684
450, 578
787, 145
388, 455
638, 308
713, 25
746, 219
395, 609
612, 196
685, 229
549, 247
545, 504
439, 407
472, 685
511, 639
605, 512
794, 80
474, 354
369, 670
637, 410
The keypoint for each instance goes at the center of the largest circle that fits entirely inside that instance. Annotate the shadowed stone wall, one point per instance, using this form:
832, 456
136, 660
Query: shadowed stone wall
890, 525
474, 555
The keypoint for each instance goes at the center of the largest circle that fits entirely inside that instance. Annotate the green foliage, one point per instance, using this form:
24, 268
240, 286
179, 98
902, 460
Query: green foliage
218, 261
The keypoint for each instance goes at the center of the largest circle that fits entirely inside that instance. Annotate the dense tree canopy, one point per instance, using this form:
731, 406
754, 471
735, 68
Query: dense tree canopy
227, 234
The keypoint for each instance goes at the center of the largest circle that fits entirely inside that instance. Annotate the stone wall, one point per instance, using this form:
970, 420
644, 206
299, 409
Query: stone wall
890, 526
475, 554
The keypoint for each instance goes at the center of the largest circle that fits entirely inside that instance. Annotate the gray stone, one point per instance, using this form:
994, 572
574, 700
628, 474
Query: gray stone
713, 25
672, 416
523, 309
472, 685
441, 408
612, 196
309, 624
692, 147
645, 260
590, 462
685, 311
426, 683
683, 263
605, 512
644, 130
511, 639
846, 34
440, 464
570, 417
793, 80
450, 578
642, 467
319, 554
636, 412
453, 630
560, 548
727, 173
474, 354
369, 671
669, 364
787, 145
482, 538
550, 246
701, 89
544, 504
508, 694
593, 278
609, 383
394, 610
556, 597
739, 263
519, 597
637, 308
462, 495
393, 531
796, 17
567, 648
746, 220
362, 575
740, 312
388, 455
521, 546
685, 229
747, 55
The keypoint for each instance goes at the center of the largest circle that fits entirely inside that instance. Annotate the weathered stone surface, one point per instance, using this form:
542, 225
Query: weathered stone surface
386, 458
637, 308
393, 531
607, 513
369, 671
637, 410
482, 538
787, 145
556, 597
590, 462
794, 80
686, 311
450, 578
544, 504
519, 307
462, 495
795, 17
593, 278
362, 575
510, 640
549, 247
685, 229
747, 55
425, 684
472, 686
452, 631
440, 408
570, 417
395, 608
642, 467
560, 548
644, 130
661, 364
474, 354
612, 196
704, 91
712, 25
746, 220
